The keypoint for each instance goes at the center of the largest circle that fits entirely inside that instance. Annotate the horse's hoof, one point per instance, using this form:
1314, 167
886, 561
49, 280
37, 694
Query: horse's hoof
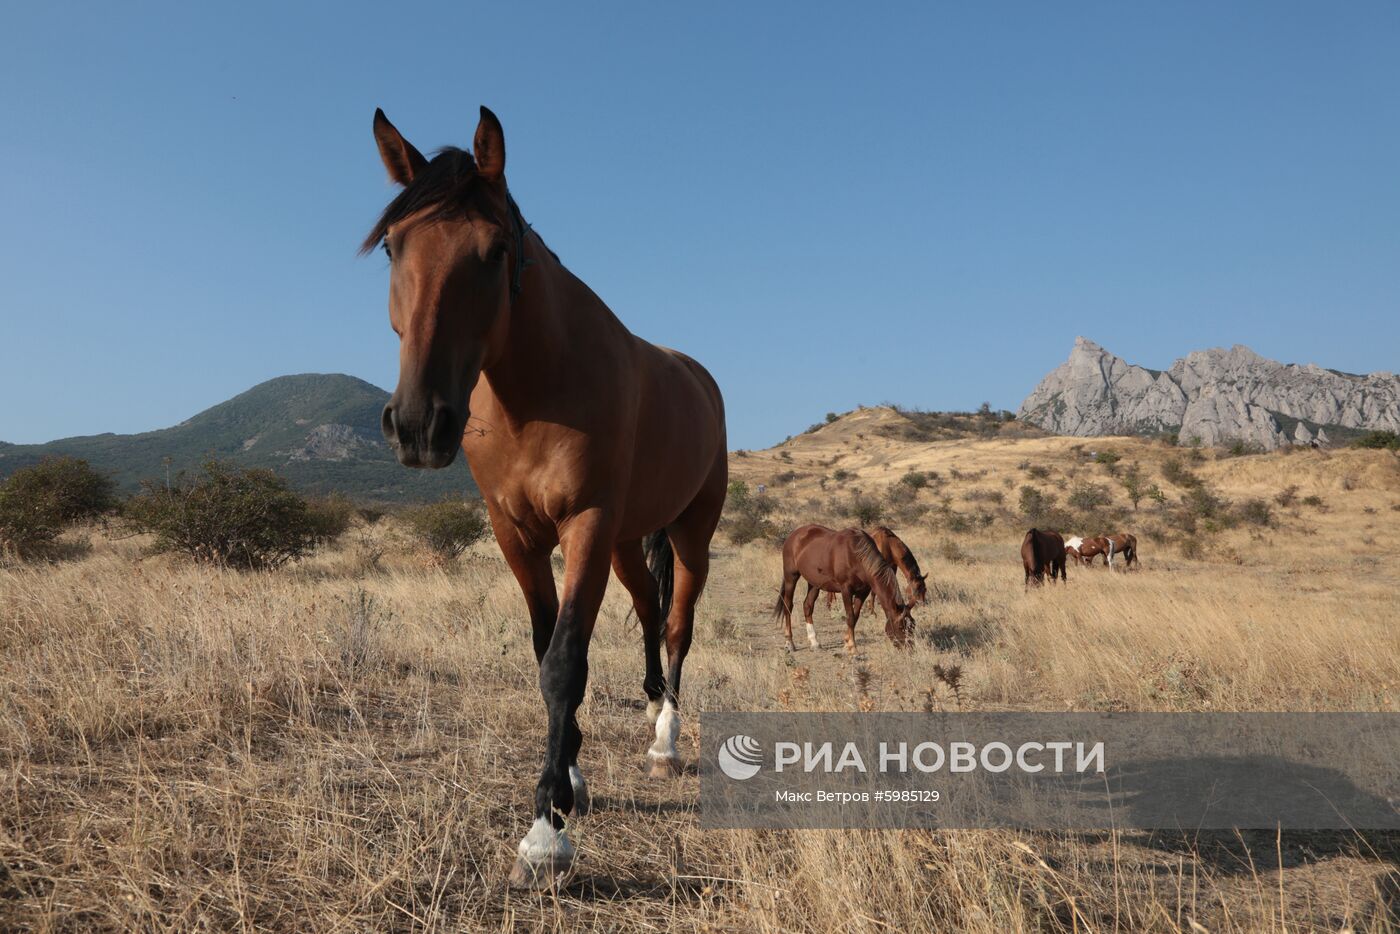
663, 766
791, 647
582, 803
545, 858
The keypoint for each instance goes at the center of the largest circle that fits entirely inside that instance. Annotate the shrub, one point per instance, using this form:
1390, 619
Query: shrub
831, 417
784, 478
915, 480
1384, 440
1033, 503
1086, 497
1239, 447
841, 475
1287, 496
746, 514
237, 518
1256, 512
1134, 484
37, 503
1313, 500
330, 517
450, 527
866, 510
1037, 471
1108, 458
1174, 471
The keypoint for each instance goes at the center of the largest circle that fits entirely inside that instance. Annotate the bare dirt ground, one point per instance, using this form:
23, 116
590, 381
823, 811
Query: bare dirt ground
352, 743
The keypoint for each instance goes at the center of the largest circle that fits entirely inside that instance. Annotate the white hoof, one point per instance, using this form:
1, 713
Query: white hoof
662, 757
545, 857
582, 803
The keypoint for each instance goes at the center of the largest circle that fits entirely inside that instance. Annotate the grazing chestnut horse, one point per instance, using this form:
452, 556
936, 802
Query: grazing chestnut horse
845, 562
1041, 550
1125, 544
893, 550
580, 435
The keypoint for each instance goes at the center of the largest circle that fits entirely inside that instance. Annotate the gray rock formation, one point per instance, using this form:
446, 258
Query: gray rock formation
1217, 396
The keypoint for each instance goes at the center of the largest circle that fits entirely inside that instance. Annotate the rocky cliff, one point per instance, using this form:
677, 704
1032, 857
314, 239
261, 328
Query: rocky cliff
1217, 396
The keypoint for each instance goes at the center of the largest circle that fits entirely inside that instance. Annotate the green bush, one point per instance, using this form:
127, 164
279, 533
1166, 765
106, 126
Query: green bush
866, 510
1384, 440
1086, 497
915, 480
246, 519
331, 516
37, 503
450, 527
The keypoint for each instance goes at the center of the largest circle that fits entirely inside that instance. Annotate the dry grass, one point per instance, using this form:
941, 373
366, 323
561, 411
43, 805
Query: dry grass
351, 744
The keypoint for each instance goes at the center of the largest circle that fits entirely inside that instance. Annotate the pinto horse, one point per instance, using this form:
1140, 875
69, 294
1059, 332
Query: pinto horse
1125, 544
893, 550
846, 562
1088, 549
577, 433
1041, 550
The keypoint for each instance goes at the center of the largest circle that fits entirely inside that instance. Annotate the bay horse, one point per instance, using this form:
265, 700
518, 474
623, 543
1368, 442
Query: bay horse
1041, 550
845, 562
893, 550
581, 435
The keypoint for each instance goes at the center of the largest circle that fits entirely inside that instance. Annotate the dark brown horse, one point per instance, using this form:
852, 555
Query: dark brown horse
893, 550
845, 562
578, 434
1040, 551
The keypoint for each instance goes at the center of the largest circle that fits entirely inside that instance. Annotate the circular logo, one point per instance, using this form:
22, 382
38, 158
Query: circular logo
740, 757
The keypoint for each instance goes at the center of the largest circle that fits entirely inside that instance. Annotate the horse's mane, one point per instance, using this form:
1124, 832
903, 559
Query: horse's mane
880, 570
444, 185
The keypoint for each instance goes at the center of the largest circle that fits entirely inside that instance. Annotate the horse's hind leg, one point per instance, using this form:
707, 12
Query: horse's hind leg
629, 564
808, 605
784, 610
690, 539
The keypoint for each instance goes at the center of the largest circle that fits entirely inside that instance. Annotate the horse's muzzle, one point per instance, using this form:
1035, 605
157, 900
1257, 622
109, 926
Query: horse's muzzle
422, 436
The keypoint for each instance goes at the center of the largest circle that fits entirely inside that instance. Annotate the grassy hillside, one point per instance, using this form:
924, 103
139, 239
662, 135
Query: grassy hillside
320, 431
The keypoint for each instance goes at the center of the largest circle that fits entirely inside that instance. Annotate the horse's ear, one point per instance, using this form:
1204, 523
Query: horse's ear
400, 157
489, 146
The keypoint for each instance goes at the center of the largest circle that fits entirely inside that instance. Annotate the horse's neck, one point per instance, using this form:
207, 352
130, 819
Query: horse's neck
541, 343
880, 586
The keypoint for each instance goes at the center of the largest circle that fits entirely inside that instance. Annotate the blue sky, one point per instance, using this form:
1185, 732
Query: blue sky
825, 204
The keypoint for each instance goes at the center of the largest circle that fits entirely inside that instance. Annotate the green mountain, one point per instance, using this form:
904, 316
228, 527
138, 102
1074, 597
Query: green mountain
318, 430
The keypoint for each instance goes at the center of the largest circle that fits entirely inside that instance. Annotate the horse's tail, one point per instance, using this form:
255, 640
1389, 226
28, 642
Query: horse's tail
661, 563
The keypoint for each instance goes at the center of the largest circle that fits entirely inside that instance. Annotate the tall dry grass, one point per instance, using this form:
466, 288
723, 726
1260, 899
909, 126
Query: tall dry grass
351, 743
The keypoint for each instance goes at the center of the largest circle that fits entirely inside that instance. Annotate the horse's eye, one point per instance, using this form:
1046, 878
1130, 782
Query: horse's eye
387, 252
498, 253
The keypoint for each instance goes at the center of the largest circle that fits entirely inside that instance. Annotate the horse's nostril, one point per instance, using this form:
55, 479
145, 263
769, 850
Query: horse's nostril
389, 426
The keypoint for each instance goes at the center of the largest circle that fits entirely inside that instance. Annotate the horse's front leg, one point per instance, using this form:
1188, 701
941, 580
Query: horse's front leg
849, 601
545, 853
